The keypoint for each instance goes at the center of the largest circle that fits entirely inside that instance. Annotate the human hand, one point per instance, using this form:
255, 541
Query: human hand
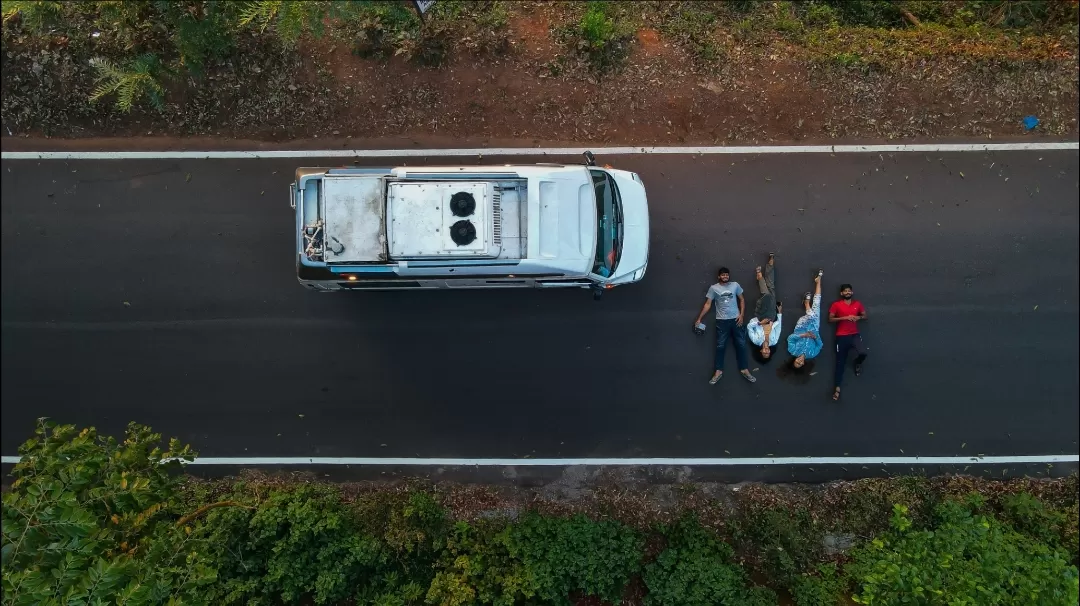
738, 320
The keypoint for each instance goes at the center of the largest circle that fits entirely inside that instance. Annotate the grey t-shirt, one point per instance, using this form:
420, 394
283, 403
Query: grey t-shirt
724, 299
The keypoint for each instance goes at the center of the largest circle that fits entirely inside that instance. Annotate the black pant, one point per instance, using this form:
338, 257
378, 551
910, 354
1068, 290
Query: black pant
766, 303
844, 345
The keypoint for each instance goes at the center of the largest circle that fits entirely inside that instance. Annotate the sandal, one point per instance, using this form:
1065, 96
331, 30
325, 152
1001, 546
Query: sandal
749, 377
807, 296
716, 379
820, 272
836, 395
858, 369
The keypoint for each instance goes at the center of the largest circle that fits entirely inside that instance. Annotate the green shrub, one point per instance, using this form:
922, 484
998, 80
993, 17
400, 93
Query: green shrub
576, 555
821, 15
300, 543
90, 520
34, 15
290, 19
601, 37
872, 13
1030, 516
539, 557
1069, 531
788, 542
784, 19
864, 501
477, 568
134, 81
828, 587
965, 559
697, 569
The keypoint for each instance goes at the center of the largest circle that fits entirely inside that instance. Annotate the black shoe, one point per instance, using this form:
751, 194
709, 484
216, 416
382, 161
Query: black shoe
858, 369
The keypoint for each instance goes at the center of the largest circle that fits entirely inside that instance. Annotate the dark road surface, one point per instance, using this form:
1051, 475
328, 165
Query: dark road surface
165, 292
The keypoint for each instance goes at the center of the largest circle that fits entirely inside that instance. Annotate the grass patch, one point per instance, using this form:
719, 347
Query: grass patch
694, 25
602, 35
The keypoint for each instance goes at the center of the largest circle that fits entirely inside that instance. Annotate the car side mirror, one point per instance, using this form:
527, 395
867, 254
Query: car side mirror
590, 159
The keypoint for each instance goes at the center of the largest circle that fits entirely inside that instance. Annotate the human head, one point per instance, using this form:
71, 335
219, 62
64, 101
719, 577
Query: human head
799, 372
760, 356
846, 292
723, 275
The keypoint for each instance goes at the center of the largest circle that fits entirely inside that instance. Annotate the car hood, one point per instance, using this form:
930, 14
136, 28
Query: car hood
635, 209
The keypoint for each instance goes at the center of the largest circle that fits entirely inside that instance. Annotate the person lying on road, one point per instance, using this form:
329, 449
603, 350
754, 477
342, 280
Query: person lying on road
764, 328
727, 296
845, 313
804, 342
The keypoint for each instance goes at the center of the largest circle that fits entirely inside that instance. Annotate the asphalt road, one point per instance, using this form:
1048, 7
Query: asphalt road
164, 292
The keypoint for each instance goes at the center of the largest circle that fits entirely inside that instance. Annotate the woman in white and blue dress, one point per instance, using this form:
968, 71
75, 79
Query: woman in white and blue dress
804, 343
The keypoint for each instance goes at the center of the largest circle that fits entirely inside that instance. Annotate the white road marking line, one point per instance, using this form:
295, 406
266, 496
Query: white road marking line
536, 151
614, 462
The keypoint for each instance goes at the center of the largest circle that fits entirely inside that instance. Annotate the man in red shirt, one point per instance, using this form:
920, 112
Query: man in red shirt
845, 313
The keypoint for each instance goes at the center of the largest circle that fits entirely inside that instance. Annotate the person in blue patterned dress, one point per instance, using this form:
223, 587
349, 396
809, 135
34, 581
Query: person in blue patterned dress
804, 343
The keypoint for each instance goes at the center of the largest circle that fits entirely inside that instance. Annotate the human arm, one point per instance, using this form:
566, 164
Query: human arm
742, 307
704, 310
833, 318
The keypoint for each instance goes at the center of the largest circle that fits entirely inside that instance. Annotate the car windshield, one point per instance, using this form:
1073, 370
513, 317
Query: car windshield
608, 224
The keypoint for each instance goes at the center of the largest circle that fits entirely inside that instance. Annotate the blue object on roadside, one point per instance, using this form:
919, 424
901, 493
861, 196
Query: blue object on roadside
1030, 122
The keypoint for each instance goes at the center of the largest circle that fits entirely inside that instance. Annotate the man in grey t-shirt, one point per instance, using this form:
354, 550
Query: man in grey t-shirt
727, 297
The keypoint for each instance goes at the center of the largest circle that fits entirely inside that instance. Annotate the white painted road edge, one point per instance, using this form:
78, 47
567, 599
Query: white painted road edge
535, 151
616, 462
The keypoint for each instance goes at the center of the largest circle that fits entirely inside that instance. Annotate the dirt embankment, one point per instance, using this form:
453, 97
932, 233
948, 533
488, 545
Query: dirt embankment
539, 73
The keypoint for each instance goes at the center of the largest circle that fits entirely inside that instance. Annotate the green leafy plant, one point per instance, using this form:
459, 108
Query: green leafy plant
90, 520
601, 37
130, 83
827, 587
967, 558
477, 568
297, 543
290, 19
787, 541
697, 569
577, 554
35, 15
1030, 516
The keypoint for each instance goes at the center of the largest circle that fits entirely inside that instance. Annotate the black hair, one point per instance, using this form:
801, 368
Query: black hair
756, 352
845, 287
723, 270
787, 370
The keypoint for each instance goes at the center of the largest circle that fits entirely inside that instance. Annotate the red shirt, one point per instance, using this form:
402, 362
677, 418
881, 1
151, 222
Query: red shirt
843, 308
